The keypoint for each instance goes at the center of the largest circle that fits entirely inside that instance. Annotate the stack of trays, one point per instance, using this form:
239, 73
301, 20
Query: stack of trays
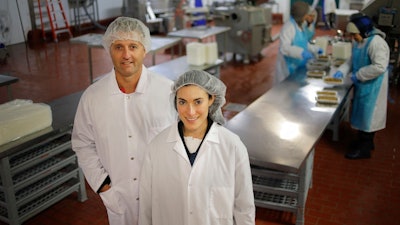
316, 64
324, 58
327, 97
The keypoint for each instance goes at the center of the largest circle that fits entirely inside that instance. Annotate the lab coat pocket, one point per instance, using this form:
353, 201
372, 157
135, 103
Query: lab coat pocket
221, 202
112, 201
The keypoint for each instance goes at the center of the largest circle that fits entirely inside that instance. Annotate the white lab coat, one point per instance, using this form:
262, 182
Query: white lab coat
329, 6
378, 52
286, 48
216, 190
111, 131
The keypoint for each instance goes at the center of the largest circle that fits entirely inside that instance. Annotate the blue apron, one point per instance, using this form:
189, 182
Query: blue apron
309, 33
300, 39
365, 93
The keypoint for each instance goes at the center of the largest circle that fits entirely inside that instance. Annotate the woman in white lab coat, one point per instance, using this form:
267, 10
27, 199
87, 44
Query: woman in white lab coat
196, 172
368, 66
294, 49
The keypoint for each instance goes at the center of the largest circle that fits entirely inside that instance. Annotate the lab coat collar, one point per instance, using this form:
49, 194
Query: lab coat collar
179, 148
212, 135
173, 135
140, 88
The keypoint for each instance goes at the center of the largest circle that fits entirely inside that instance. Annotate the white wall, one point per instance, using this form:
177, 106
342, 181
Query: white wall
15, 34
284, 8
21, 23
345, 4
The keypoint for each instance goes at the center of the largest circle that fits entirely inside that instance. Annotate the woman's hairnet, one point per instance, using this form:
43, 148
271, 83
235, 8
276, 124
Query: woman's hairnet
299, 10
127, 28
210, 84
360, 24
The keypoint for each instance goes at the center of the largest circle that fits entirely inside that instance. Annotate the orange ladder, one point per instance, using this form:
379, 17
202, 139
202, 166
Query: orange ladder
56, 18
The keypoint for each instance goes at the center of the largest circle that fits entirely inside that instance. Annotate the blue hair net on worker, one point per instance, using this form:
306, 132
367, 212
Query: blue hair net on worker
360, 24
210, 84
127, 28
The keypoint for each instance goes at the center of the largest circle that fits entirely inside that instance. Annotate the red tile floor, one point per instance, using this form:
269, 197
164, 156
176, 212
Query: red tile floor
344, 192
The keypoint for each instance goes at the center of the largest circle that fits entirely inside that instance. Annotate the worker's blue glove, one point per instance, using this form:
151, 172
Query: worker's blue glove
338, 75
307, 55
320, 51
354, 78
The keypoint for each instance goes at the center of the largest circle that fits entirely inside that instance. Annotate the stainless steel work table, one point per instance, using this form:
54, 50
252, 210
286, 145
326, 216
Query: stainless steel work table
6, 80
280, 130
174, 68
95, 41
201, 33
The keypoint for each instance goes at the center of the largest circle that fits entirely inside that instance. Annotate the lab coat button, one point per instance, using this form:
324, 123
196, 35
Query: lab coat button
135, 178
129, 136
132, 158
137, 199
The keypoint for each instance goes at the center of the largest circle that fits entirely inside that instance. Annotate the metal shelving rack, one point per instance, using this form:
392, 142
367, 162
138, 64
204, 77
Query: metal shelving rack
281, 190
37, 175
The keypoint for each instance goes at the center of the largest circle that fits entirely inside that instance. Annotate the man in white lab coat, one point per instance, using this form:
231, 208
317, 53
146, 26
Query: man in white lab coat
117, 117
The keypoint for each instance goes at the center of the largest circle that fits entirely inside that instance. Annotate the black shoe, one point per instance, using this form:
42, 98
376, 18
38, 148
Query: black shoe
353, 145
358, 154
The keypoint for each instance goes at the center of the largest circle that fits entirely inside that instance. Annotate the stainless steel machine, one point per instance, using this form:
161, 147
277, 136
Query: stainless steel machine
250, 28
158, 10
386, 16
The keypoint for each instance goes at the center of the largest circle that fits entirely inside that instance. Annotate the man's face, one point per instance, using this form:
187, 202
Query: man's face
127, 57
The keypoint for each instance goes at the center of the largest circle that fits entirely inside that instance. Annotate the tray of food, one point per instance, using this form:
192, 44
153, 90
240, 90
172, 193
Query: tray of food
327, 99
323, 58
316, 73
327, 92
334, 81
317, 65
338, 62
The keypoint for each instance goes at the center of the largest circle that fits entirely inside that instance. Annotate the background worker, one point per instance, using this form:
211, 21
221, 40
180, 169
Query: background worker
309, 24
294, 49
328, 13
117, 117
196, 171
369, 73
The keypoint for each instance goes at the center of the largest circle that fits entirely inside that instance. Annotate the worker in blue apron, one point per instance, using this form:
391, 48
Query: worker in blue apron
369, 74
295, 49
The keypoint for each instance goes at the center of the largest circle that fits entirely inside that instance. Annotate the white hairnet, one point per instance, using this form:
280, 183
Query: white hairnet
352, 28
210, 84
127, 28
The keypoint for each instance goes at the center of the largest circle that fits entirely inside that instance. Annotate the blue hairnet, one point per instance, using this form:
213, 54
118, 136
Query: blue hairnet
127, 28
363, 23
210, 84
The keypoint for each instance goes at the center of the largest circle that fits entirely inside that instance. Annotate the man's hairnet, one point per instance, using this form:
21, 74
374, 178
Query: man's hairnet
360, 24
299, 10
127, 28
210, 84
